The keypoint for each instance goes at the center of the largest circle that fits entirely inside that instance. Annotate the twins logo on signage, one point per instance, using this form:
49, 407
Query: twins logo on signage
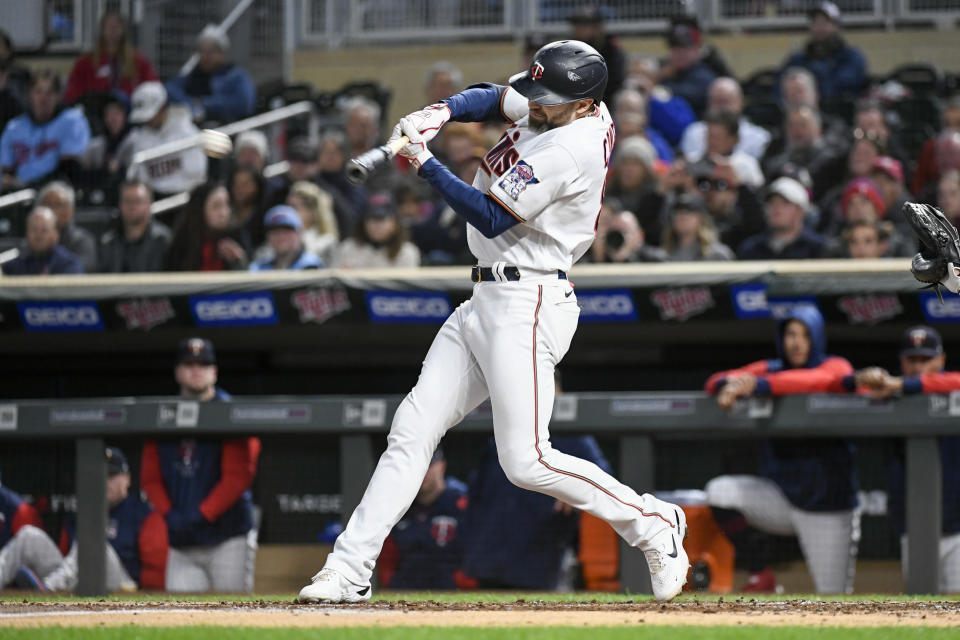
320, 304
937, 312
870, 309
60, 316
234, 309
403, 307
682, 304
145, 313
609, 305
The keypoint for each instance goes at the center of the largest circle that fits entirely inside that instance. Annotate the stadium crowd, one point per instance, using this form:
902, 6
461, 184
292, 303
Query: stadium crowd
810, 160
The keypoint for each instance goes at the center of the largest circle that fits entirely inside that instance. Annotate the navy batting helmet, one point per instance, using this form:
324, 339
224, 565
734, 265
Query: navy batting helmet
562, 72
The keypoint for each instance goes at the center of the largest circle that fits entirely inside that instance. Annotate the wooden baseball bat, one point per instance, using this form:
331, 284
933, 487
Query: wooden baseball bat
360, 167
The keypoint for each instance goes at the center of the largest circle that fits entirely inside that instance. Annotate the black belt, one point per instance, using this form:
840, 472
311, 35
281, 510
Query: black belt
485, 274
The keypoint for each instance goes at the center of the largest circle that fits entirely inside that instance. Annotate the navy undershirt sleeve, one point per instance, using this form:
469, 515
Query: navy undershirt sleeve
474, 206
477, 103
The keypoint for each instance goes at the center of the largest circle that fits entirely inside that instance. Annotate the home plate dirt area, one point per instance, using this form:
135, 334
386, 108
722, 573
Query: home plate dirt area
520, 613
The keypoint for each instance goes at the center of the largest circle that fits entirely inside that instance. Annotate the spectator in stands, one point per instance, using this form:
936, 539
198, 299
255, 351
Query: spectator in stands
302, 161
60, 198
864, 239
215, 89
205, 237
442, 81
725, 95
285, 237
42, 255
887, 174
946, 158
686, 73
14, 82
786, 237
858, 163
806, 146
139, 243
361, 124
922, 364
690, 234
634, 183
871, 118
437, 231
425, 548
805, 488
734, 209
202, 489
668, 114
862, 203
620, 238
630, 117
157, 122
102, 161
320, 232
927, 171
45, 142
114, 66
379, 241
587, 24
251, 150
349, 199
948, 195
840, 70
248, 201
798, 88
722, 136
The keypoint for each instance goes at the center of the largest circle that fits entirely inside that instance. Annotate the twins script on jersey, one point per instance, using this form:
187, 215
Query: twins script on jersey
553, 183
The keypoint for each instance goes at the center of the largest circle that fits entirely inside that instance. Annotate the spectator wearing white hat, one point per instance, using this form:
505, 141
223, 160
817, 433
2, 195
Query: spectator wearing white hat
157, 123
215, 89
786, 237
250, 150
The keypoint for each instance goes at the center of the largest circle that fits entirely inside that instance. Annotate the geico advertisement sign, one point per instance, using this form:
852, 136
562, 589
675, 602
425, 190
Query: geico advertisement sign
234, 310
396, 306
60, 316
935, 311
609, 305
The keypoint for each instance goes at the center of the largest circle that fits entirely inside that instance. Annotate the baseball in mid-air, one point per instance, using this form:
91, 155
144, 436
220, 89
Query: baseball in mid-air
215, 144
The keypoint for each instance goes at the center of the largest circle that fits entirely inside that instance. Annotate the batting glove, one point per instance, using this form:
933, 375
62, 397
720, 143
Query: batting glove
429, 120
416, 150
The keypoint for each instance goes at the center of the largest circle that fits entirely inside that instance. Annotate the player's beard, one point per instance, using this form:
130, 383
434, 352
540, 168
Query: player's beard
541, 125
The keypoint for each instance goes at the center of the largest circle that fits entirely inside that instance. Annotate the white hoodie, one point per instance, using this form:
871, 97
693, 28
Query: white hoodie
174, 173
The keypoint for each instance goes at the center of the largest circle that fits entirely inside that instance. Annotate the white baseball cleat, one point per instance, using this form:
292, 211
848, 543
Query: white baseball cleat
666, 557
329, 586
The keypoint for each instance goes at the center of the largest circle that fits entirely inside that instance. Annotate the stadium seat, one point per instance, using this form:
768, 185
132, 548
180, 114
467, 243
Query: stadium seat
764, 113
919, 110
762, 83
921, 79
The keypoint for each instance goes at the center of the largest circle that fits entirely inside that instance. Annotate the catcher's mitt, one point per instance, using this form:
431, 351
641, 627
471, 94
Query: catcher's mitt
939, 258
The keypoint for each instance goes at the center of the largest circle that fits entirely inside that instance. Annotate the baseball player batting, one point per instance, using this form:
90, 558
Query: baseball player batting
532, 212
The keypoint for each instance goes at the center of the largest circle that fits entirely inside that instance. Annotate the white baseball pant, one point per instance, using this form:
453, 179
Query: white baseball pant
828, 539
503, 343
949, 562
227, 566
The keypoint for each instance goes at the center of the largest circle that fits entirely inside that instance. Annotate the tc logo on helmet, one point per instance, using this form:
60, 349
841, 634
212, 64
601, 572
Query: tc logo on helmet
536, 71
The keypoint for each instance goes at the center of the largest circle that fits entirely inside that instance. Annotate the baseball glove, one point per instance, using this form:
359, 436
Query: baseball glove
939, 259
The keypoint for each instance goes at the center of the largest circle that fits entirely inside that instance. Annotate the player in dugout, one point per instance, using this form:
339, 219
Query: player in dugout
136, 553
202, 488
806, 488
922, 364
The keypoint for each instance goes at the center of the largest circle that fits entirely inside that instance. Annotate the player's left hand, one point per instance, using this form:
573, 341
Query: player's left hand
429, 120
416, 150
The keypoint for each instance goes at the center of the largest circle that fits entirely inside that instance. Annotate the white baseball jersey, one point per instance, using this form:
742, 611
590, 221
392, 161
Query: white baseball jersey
553, 183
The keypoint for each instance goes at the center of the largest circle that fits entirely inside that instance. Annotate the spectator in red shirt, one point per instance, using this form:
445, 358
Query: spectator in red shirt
205, 237
114, 65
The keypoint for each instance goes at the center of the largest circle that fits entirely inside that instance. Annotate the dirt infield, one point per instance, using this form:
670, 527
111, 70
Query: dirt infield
519, 613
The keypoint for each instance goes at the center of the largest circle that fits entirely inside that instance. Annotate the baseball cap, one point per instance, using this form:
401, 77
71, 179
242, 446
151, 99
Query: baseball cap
116, 462
921, 341
283, 215
301, 150
684, 35
889, 166
216, 35
380, 205
253, 139
637, 148
790, 190
863, 187
828, 9
147, 101
196, 350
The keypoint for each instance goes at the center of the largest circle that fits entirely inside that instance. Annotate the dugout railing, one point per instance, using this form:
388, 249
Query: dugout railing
637, 420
